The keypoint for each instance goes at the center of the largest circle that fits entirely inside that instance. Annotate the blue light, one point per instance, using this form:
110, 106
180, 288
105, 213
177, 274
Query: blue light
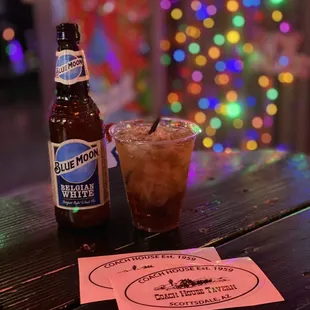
179, 55
282, 148
15, 51
234, 65
284, 61
238, 83
12, 48
202, 13
220, 66
203, 103
238, 65
252, 134
213, 102
218, 148
230, 64
250, 3
251, 101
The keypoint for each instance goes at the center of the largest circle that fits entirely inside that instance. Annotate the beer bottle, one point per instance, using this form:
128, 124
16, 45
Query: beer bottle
77, 147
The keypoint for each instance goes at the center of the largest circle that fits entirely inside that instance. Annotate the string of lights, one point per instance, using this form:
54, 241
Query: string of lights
234, 57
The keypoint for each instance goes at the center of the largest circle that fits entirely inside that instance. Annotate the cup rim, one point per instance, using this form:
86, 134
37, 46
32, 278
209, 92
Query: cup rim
194, 134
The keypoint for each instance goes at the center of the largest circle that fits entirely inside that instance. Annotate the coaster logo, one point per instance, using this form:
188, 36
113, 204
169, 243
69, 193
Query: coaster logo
69, 66
76, 162
191, 286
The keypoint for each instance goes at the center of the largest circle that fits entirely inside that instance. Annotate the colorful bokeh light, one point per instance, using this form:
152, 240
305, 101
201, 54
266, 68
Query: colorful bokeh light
179, 55
176, 14
219, 39
285, 27
180, 37
271, 109
176, 107
272, 94
201, 60
232, 5
237, 100
263, 81
251, 145
257, 122
232, 96
196, 5
238, 123
238, 21
214, 52
208, 22
8, 34
277, 15
165, 59
233, 36
215, 123
165, 4
248, 48
207, 142
218, 148
203, 103
194, 48
276, 1
233, 109
200, 117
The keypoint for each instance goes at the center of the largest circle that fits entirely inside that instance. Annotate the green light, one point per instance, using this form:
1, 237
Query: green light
215, 123
219, 39
176, 107
238, 21
233, 110
75, 210
276, 1
272, 94
194, 48
165, 59
255, 57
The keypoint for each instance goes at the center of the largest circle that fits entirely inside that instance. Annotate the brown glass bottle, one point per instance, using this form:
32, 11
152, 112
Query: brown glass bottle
77, 147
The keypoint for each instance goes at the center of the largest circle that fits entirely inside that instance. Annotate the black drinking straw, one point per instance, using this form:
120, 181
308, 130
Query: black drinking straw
154, 126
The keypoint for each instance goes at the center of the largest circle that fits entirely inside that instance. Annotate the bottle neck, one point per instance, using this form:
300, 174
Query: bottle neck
72, 79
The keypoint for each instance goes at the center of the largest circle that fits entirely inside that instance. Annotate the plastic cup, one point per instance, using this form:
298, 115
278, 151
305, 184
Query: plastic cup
155, 172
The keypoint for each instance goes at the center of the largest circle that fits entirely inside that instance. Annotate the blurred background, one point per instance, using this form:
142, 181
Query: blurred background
238, 68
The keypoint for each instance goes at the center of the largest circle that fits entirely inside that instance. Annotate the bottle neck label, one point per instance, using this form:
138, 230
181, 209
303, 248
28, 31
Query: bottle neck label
71, 67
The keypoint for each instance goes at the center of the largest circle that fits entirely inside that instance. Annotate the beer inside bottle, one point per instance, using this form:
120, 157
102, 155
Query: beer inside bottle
77, 149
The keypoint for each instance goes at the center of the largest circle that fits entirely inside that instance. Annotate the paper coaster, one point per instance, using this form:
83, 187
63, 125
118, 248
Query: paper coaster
94, 272
224, 284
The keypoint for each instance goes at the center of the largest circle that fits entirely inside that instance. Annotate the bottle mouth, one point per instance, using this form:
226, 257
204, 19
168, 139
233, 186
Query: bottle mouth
68, 32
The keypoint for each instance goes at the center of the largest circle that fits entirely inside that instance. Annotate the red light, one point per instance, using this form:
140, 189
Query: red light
259, 16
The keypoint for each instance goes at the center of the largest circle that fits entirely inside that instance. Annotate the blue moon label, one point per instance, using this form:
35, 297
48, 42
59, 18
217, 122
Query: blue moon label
71, 67
77, 168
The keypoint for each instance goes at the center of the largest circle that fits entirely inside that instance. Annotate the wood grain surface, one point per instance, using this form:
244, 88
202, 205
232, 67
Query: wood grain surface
281, 249
228, 196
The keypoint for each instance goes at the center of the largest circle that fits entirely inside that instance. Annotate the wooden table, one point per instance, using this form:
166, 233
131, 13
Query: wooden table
247, 204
